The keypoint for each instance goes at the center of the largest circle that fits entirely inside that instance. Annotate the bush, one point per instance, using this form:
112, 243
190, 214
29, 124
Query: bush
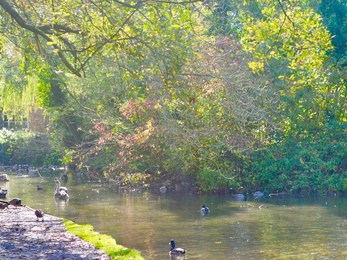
26, 147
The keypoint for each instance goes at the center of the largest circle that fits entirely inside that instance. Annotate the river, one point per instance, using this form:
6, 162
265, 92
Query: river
270, 228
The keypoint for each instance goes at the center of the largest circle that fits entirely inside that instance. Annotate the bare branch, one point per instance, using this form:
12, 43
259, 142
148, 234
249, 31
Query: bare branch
140, 3
285, 13
136, 6
180, 2
58, 28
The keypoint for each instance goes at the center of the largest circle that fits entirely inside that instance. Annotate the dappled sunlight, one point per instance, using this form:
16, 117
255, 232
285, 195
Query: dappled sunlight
270, 228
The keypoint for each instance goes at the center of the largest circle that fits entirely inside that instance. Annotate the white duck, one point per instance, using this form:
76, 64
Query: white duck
60, 192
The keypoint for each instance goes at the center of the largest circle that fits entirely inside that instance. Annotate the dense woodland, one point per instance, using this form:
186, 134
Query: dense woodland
214, 96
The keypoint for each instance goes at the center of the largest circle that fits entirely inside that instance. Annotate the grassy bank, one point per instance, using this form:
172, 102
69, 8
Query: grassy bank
102, 242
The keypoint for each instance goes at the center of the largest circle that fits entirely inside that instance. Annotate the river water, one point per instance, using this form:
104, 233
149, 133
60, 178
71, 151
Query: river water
271, 228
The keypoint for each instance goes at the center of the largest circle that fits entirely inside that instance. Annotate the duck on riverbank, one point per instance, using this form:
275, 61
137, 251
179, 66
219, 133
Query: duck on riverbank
39, 214
50, 240
3, 193
3, 205
16, 202
4, 177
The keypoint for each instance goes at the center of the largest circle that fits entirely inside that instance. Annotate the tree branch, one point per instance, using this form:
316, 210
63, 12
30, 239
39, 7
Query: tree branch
140, 3
58, 28
21, 22
285, 13
136, 6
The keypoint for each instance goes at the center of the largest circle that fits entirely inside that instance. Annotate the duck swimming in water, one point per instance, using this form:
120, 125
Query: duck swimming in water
258, 194
204, 210
176, 250
60, 192
239, 196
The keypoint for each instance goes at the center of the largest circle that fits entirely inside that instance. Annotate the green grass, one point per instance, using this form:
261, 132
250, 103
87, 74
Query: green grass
102, 242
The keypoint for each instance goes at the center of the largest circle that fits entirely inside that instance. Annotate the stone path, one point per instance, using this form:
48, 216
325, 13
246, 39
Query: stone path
22, 237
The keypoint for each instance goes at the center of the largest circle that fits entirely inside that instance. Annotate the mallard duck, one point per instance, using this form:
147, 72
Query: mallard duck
3, 205
258, 194
162, 189
15, 202
4, 177
204, 210
239, 196
176, 250
3, 193
39, 214
60, 192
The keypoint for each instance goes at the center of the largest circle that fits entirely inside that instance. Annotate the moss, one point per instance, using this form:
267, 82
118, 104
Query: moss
102, 242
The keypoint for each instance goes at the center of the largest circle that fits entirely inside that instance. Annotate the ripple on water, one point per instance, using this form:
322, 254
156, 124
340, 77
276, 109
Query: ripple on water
312, 228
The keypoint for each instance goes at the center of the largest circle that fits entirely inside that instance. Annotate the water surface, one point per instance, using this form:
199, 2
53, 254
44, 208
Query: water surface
309, 228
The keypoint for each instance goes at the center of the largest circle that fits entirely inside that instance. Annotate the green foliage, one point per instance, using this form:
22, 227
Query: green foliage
161, 88
101, 241
223, 18
27, 148
315, 163
290, 47
7, 140
209, 180
334, 14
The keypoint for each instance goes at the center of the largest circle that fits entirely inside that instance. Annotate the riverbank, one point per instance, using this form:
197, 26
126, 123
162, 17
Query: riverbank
22, 236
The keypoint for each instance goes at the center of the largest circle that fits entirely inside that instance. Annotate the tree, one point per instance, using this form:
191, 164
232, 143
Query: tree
121, 53
291, 46
334, 14
74, 32
62, 37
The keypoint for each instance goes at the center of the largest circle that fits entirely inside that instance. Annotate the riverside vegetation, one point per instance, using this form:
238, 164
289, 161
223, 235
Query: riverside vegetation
39, 240
210, 96
101, 241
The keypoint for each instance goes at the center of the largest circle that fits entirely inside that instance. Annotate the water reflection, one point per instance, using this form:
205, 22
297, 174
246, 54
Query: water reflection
257, 228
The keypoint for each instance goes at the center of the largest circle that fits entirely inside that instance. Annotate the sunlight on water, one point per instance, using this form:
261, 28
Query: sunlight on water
255, 229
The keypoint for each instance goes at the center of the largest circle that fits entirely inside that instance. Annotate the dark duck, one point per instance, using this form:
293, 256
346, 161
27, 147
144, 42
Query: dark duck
3, 205
14, 202
39, 214
204, 210
175, 251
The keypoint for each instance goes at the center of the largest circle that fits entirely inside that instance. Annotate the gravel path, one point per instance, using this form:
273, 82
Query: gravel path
23, 237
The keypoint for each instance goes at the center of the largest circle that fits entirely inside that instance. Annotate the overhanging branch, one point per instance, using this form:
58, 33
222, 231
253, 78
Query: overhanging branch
22, 23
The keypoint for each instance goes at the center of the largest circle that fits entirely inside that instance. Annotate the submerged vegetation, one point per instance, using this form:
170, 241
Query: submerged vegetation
214, 96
